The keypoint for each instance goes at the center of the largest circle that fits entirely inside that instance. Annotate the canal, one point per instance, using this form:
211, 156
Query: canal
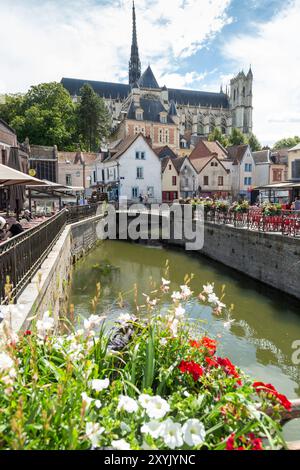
266, 323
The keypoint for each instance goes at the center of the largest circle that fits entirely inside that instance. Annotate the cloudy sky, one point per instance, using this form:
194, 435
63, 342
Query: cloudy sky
195, 44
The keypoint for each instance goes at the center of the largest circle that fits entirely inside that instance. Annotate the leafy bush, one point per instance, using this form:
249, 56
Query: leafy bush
148, 384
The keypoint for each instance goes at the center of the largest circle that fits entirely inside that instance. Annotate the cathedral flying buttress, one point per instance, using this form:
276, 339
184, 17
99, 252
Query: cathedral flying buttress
166, 115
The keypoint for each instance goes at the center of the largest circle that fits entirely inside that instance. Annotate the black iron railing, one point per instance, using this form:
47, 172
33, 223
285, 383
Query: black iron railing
21, 256
77, 213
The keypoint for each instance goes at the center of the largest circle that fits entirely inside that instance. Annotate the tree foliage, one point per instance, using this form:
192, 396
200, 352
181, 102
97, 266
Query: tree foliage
47, 115
93, 119
217, 135
237, 137
288, 143
254, 143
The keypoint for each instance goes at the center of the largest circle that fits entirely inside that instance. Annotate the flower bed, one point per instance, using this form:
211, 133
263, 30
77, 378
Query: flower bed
159, 388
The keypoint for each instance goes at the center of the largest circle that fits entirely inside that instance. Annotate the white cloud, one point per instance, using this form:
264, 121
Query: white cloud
274, 52
46, 40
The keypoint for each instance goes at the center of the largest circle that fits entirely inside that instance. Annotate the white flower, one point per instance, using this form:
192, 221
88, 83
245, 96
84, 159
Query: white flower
99, 385
93, 432
213, 299
165, 282
154, 428
45, 325
208, 289
173, 325
92, 322
172, 434
127, 404
193, 432
120, 445
86, 399
125, 318
179, 312
144, 400
6, 362
185, 292
163, 341
176, 296
157, 408
98, 404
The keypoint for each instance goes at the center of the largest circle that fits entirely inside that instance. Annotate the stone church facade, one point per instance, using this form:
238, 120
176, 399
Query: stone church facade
166, 115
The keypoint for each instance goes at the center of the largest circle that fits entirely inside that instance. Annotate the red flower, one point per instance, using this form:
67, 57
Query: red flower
207, 343
191, 368
271, 390
27, 333
249, 442
229, 368
211, 362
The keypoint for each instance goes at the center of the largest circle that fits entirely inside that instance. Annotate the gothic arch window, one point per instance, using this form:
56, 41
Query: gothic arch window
223, 126
244, 92
212, 124
234, 95
200, 127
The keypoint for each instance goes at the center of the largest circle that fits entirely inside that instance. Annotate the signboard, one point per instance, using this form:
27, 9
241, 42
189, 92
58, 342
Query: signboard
32, 172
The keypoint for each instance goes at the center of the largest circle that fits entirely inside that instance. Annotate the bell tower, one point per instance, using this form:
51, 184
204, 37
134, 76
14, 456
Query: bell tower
241, 101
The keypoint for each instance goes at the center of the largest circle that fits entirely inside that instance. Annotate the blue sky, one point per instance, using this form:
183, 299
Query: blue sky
190, 44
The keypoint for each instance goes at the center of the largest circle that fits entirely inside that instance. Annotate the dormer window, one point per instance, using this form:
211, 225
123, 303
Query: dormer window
139, 114
163, 118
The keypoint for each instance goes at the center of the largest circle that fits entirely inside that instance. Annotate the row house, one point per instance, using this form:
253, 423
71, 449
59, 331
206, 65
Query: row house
77, 170
294, 164
179, 179
130, 169
269, 168
241, 164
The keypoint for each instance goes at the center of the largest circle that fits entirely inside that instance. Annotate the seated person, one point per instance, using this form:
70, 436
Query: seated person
14, 228
3, 229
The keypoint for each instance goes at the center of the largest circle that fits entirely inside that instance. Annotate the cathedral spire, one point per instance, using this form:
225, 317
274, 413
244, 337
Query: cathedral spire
134, 63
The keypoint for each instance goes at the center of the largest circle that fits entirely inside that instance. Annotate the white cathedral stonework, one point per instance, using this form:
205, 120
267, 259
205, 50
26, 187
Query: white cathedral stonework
165, 114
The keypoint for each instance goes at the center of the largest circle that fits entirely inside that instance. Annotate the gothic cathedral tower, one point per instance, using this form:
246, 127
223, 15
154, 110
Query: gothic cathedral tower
134, 63
241, 102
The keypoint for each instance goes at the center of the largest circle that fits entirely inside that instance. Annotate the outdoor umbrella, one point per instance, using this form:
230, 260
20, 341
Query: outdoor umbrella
17, 192
10, 177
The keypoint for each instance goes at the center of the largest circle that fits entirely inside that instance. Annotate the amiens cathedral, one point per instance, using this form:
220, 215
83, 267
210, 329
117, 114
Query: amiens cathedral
170, 116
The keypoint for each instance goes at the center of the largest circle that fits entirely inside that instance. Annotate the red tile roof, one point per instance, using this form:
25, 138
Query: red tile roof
205, 149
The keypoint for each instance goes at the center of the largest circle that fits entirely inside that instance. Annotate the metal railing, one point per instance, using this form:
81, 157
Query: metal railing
286, 223
22, 256
77, 213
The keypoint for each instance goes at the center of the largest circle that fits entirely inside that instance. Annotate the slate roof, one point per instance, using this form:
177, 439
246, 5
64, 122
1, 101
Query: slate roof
121, 91
166, 151
151, 109
164, 163
199, 98
236, 153
7, 126
104, 89
172, 110
148, 79
294, 149
263, 156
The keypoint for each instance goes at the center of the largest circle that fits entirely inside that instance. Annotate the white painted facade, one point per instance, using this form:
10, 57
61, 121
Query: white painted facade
136, 172
243, 175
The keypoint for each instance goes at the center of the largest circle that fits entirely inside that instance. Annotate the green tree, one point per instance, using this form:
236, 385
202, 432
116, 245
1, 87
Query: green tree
254, 143
93, 119
45, 114
236, 137
288, 143
217, 135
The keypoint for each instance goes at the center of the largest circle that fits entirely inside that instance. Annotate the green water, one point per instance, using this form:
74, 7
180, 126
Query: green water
266, 322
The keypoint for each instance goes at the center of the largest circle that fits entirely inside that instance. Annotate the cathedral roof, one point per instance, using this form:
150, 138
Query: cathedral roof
151, 108
148, 79
104, 89
121, 91
199, 98
172, 110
